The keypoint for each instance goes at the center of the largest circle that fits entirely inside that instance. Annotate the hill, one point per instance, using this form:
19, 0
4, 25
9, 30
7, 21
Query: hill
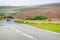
10, 9
50, 10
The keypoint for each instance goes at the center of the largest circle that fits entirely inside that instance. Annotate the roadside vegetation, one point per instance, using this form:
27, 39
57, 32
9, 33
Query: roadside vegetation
2, 16
55, 27
40, 17
42, 23
50, 27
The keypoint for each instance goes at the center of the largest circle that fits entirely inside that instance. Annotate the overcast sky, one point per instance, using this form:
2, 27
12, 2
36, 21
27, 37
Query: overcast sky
26, 2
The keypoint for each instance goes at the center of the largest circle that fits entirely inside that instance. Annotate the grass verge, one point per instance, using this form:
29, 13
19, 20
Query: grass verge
46, 26
51, 27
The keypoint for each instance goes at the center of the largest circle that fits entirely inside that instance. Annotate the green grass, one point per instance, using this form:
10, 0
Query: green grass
46, 26
21, 22
51, 27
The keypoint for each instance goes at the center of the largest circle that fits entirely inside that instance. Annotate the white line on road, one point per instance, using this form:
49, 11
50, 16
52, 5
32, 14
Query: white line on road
22, 32
25, 34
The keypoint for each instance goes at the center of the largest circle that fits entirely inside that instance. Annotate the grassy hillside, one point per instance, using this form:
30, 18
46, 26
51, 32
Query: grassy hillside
10, 9
50, 10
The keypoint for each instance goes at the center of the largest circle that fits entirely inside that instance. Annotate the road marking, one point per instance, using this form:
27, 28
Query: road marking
22, 32
25, 34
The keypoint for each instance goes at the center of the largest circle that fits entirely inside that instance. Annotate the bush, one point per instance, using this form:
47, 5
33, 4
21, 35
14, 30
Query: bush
19, 21
40, 17
29, 19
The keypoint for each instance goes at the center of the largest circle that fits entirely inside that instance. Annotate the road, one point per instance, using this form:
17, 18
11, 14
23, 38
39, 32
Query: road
14, 31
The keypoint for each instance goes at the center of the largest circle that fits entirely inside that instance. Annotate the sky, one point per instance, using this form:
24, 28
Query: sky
26, 2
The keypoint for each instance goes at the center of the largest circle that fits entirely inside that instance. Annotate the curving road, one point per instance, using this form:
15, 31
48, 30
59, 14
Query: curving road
14, 31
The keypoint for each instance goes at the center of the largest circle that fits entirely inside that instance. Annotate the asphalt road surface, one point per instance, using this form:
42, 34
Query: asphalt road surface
14, 31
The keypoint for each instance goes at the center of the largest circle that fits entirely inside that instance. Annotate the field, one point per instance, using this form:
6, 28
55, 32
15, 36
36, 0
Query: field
46, 26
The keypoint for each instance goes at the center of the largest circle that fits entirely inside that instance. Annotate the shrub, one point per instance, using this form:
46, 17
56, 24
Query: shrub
40, 17
19, 21
29, 19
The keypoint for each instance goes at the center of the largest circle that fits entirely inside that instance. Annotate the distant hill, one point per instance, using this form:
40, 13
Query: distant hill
50, 10
10, 9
